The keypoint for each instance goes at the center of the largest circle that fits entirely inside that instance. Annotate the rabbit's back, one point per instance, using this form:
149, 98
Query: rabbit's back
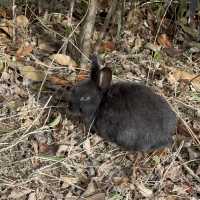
134, 117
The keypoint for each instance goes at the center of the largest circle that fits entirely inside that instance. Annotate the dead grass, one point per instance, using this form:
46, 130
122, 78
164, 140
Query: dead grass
45, 155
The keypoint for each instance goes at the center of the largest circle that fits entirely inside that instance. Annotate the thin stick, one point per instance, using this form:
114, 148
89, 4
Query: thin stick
14, 21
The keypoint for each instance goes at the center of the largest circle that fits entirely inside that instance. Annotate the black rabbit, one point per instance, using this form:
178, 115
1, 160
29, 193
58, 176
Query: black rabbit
125, 113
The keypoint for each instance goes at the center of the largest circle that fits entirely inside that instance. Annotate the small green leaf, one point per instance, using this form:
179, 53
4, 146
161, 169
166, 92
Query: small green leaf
56, 121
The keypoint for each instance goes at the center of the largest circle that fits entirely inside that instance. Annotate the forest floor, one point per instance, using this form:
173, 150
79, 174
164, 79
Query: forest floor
44, 155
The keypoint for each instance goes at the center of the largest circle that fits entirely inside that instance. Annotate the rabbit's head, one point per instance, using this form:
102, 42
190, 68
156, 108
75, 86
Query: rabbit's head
87, 94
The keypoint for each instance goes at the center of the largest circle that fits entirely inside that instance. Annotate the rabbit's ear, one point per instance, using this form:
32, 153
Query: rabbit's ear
95, 67
104, 78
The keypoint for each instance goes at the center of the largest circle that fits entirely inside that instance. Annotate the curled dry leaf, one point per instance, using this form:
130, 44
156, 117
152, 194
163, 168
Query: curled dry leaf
22, 21
7, 27
3, 12
23, 51
29, 72
164, 40
63, 59
146, 192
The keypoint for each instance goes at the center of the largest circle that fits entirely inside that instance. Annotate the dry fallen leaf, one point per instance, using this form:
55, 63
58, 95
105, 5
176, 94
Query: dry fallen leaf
61, 150
17, 194
23, 51
22, 21
29, 72
122, 181
164, 40
82, 75
180, 189
173, 52
7, 27
177, 75
107, 46
87, 146
3, 12
63, 59
91, 189
98, 196
153, 47
69, 180
57, 81
32, 196
146, 192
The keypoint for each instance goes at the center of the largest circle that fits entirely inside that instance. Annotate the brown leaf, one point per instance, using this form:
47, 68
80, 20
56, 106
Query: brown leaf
98, 196
43, 147
29, 72
178, 75
173, 52
35, 146
57, 81
18, 194
35, 162
164, 40
146, 192
22, 21
91, 189
32, 196
121, 181
48, 149
7, 27
107, 46
153, 47
63, 59
23, 51
3, 12
69, 180
82, 75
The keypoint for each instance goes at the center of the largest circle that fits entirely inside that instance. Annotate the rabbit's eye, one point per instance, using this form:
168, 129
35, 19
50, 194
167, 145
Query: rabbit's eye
85, 98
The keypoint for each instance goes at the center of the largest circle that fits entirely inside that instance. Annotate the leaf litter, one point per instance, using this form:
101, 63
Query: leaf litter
46, 155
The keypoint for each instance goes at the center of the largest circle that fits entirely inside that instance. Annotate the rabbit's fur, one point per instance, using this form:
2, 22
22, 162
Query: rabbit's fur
126, 113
